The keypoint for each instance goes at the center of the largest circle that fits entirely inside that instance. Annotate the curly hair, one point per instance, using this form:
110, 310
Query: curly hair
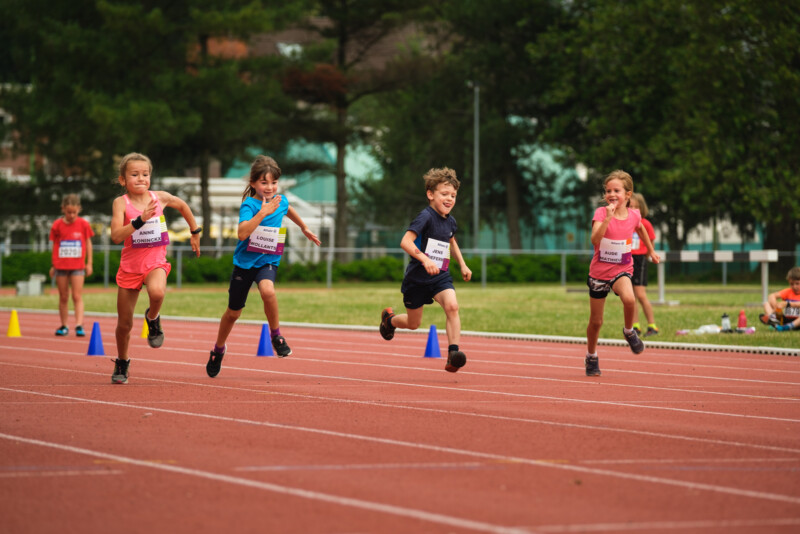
434, 177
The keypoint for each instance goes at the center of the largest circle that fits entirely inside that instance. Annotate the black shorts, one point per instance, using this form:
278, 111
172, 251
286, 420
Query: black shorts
639, 270
242, 280
599, 289
417, 295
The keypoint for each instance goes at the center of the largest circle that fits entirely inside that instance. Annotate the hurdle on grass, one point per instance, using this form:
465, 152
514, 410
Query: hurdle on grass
764, 257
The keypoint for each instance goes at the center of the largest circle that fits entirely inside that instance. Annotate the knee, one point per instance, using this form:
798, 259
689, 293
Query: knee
267, 292
628, 300
124, 325
450, 308
232, 315
157, 295
596, 322
413, 324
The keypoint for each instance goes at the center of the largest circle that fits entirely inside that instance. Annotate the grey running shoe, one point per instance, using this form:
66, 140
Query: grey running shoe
651, 331
120, 375
282, 350
592, 364
215, 362
155, 336
633, 340
455, 361
387, 330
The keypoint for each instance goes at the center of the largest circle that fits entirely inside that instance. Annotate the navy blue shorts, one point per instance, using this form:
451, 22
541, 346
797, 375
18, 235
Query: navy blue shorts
639, 270
417, 295
242, 280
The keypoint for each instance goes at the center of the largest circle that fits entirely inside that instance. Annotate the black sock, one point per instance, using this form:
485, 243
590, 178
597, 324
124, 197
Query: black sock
452, 348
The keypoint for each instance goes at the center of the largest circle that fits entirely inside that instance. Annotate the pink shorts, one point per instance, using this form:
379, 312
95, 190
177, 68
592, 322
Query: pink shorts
127, 280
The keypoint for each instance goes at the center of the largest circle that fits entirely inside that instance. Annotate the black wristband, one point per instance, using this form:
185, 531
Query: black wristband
137, 222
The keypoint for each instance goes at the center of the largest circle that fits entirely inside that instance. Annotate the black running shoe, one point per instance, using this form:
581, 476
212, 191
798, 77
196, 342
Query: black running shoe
455, 361
155, 336
633, 340
120, 375
282, 350
215, 362
651, 331
387, 330
62, 331
592, 366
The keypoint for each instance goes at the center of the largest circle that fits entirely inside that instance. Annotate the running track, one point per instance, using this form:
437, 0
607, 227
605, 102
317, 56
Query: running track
352, 434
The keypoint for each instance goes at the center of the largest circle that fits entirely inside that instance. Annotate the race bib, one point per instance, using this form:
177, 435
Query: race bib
439, 252
267, 240
152, 234
792, 309
616, 251
637, 241
70, 248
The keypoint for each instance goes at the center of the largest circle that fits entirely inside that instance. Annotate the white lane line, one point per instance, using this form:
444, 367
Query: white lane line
652, 526
284, 490
449, 412
452, 450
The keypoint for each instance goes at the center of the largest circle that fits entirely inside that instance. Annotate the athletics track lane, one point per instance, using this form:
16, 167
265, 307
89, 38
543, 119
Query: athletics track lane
355, 434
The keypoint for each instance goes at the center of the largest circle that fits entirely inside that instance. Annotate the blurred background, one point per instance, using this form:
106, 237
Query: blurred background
532, 102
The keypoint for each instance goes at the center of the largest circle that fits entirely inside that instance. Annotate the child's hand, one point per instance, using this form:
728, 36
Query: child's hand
431, 267
89, 269
466, 274
271, 206
654, 258
311, 236
52, 272
150, 210
195, 242
610, 209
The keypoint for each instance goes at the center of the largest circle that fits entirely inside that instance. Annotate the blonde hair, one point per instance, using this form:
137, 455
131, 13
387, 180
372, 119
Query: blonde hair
622, 176
262, 166
71, 200
794, 274
435, 177
642, 204
133, 156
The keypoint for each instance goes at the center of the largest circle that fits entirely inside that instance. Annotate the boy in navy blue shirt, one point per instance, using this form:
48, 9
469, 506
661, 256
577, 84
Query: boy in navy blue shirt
430, 241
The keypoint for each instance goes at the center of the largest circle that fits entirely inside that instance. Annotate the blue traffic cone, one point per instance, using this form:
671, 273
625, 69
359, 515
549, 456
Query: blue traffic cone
432, 348
265, 345
96, 342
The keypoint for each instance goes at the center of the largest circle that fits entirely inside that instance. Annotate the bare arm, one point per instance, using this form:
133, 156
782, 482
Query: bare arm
119, 230
171, 201
89, 258
295, 218
642, 231
247, 227
599, 227
455, 252
408, 245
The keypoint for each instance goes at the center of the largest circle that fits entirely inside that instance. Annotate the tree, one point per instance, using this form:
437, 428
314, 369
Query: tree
339, 71
96, 80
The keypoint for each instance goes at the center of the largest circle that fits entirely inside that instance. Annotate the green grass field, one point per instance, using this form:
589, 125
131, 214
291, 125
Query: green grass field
544, 309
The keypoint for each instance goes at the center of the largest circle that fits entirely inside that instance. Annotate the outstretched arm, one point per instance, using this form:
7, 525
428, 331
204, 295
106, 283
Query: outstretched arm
183, 208
455, 252
295, 218
642, 231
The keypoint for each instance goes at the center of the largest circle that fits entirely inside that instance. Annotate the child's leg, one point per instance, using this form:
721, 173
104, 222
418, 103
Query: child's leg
76, 281
226, 325
156, 282
409, 320
62, 283
624, 289
447, 299
270, 298
596, 308
126, 302
640, 293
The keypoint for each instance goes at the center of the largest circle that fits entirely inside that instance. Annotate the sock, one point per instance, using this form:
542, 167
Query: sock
452, 348
591, 355
636, 325
627, 330
275, 332
219, 350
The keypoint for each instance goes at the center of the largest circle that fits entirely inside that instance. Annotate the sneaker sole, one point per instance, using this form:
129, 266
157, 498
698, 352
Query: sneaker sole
456, 362
119, 380
155, 342
284, 355
386, 332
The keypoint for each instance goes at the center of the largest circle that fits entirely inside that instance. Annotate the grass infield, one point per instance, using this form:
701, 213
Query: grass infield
539, 309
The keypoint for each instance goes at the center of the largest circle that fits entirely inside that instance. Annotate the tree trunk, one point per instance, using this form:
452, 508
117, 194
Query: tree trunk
780, 236
205, 237
512, 210
342, 216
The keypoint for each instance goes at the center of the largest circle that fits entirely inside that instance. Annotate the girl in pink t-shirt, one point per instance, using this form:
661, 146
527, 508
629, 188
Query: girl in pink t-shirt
137, 219
72, 261
613, 226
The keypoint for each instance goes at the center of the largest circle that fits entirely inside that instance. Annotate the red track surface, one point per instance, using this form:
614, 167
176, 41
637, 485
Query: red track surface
352, 434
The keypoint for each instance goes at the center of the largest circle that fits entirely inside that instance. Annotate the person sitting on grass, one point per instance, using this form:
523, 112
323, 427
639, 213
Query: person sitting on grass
785, 315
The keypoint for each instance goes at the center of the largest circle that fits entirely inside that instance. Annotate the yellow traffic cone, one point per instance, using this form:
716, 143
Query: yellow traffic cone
145, 330
13, 325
